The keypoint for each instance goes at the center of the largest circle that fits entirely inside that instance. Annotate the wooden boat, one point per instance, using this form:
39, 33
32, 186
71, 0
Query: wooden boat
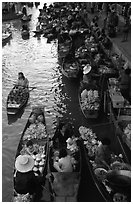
120, 114
40, 149
89, 104
70, 68
110, 190
26, 18
17, 100
64, 185
6, 37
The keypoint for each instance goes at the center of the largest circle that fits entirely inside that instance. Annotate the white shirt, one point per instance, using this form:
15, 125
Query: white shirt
64, 164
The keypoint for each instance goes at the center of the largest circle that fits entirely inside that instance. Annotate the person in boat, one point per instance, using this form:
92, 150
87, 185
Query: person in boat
30, 148
24, 10
22, 81
88, 77
125, 83
62, 133
25, 179
103, 154
25, 27
65, 162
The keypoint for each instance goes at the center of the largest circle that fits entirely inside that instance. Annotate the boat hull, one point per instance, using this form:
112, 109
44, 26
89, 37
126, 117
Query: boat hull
41, 143
13, 110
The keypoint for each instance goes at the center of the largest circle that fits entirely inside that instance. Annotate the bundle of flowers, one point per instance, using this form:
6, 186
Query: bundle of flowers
72, 145
90, 140
90, 100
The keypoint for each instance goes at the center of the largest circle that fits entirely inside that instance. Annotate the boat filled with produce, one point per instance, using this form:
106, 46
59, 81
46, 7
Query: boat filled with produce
65, 185
17, 99
90, 103
33, 142
114, 181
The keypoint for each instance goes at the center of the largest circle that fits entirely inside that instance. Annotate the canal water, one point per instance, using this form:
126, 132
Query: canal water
38, 60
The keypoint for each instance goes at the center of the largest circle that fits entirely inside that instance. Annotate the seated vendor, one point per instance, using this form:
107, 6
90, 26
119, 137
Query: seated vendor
25, 180
65, 162
62, 133
103, 154
88, 77
29, 148
22, 81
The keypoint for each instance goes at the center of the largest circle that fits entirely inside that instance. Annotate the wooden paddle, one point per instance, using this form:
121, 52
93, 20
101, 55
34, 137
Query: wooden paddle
30, 87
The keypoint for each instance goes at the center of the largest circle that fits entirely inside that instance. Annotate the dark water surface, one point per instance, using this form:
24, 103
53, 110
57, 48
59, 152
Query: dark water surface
38, 60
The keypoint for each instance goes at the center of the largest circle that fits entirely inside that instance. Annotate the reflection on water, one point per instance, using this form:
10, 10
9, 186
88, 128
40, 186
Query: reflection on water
38, 61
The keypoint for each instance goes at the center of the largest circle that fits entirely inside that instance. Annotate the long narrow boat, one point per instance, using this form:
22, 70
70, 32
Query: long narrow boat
89, 101
120, 112
114, 184
64, 186
17, 100
35, 131
71, 69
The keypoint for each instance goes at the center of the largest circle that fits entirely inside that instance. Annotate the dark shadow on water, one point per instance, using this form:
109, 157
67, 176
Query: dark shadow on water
14, 118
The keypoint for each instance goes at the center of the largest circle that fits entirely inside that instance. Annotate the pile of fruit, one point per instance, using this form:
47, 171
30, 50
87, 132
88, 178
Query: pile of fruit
38, 149
39, 163
89, 139
105, 70
37, 128
127, 131
90, 100
17, 96
35, 131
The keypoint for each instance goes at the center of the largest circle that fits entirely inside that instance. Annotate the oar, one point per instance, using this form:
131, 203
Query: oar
32, 87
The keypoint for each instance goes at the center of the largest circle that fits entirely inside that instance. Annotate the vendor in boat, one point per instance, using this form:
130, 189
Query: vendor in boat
24, 10
103, 154
64, 163
125, 83
62, 133
22, 81
25, 27
25, 179
88, 77
30, 148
